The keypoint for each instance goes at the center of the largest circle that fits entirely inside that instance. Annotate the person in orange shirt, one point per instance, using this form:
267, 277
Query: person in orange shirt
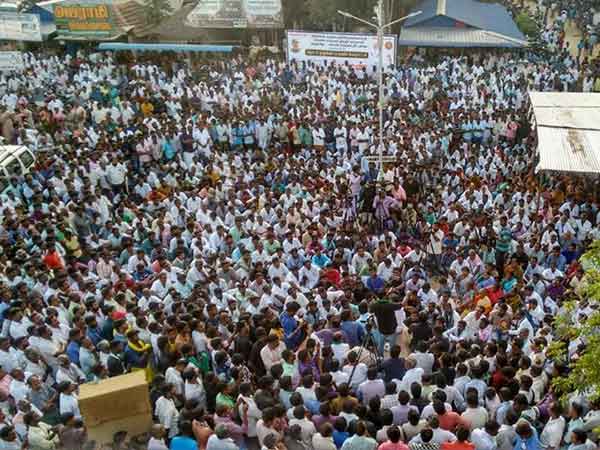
449, 420
52, 259
461, 443
147, 108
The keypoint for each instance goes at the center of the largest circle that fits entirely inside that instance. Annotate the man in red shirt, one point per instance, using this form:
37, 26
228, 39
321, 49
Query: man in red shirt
449, 420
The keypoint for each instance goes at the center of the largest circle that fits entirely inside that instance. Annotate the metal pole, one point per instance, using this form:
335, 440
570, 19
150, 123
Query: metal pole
380, 76
380, 26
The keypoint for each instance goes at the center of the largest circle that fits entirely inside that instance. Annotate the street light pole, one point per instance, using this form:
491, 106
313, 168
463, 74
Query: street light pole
380, 82
380, 27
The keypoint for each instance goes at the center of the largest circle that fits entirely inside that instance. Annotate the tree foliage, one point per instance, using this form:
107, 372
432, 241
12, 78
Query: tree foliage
581, 334
526, 24
322, 14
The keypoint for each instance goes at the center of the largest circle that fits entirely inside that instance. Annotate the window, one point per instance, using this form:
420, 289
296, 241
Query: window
13, 167
27, 160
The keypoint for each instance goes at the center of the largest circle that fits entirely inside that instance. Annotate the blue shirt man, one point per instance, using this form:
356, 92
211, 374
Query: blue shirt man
237, 135
526, 438
354, 330
183, 443
94, 333
295, 260
467, 131
557, 258
73, 351
375, 283
248, 132
293, 336
320, 260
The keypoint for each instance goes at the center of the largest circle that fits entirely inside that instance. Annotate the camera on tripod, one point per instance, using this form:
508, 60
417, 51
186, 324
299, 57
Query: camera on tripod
370, 324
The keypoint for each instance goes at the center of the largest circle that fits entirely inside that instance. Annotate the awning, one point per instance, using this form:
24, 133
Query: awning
568, 129
120, 34
455, 37
120, 46
564, 100
568, 150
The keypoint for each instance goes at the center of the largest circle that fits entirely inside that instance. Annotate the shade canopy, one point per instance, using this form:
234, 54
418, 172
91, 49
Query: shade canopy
568, 129
120, 46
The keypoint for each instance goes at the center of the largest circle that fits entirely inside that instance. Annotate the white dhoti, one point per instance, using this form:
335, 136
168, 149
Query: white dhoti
188, 159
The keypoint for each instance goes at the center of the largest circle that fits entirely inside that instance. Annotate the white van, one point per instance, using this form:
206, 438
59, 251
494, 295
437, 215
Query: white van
15, 160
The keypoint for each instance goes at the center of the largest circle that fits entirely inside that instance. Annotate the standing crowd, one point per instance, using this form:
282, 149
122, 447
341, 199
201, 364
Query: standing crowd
226, 231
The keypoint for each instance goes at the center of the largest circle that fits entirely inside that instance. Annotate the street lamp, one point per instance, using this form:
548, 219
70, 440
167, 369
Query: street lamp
380, 27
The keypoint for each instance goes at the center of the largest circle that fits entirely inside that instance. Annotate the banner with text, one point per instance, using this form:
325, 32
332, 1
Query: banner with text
358, 50
92, 20
20, 27
236, 14
11, 61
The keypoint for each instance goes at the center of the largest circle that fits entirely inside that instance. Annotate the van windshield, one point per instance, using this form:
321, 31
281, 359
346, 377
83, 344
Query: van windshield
26, 159
13, 168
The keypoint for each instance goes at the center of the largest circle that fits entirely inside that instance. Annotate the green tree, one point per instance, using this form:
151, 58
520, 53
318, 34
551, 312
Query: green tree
294, 13
157, 10
526, 24
322, 14
582, 374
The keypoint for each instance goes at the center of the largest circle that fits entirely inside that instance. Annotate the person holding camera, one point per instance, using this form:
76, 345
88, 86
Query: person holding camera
385, 316
434, 247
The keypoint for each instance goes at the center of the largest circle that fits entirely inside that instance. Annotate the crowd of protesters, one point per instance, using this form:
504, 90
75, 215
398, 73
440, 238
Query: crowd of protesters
229, 235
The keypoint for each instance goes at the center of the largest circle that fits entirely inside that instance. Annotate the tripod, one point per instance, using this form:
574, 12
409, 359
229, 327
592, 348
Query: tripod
350, 211
368, 342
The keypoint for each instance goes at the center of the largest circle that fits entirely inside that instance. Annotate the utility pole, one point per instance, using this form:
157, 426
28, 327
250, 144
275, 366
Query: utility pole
380, 27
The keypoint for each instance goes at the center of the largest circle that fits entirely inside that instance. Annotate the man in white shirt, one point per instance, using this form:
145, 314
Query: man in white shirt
68, 401
423, 358
341, 138
271, 353
363, 139
440, 435
307, 428
413, 374
485, 438
166, 411
309, 275
554, 429
372, 387
157, 441
115, 174
356, 370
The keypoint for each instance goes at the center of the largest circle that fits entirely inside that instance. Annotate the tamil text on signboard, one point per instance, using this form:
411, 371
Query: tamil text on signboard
86, 19
358, 50
10, 61
236, 14
20, 27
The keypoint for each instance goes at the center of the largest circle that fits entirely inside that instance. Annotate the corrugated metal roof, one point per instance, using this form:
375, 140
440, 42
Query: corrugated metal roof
575, 118
428, 8
164, 47
568, 150
455, 37
568, 129
485, 16
564, 100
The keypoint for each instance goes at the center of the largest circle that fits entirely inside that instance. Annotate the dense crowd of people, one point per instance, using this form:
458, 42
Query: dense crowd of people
226, 231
